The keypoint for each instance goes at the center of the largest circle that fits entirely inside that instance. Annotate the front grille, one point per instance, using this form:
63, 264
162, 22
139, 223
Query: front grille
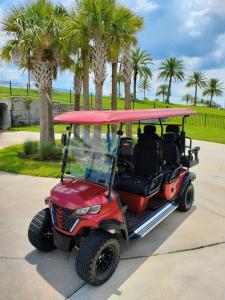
62, 218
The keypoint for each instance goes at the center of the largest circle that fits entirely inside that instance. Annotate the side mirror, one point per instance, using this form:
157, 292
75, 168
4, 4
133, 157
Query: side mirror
63, 140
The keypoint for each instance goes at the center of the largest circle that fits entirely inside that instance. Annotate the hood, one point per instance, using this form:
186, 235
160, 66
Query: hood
76, 193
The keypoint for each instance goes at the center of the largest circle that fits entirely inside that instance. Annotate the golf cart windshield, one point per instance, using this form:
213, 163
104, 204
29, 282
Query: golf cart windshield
92, 161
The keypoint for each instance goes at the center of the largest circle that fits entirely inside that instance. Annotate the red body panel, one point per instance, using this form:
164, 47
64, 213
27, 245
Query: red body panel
169, 191
73, 194
135, 203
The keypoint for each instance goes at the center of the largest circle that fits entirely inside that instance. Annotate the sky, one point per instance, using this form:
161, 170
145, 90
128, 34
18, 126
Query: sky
191, 30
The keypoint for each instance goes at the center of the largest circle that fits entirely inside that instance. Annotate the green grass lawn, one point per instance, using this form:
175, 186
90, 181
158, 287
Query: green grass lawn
10, 162
210, 134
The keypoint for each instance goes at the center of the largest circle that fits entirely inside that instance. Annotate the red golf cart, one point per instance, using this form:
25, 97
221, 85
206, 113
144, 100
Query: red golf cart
115, 187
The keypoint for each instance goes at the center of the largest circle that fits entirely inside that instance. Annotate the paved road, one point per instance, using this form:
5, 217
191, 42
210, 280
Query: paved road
9, 138
183, 258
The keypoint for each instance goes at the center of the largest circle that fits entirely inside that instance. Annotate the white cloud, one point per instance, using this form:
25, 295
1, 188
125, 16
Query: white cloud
145, 5
196, 14
191, 62
219, 52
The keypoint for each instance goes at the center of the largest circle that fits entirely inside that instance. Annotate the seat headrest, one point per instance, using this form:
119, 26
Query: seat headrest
126, 146
149, 129
173, 128
170, 137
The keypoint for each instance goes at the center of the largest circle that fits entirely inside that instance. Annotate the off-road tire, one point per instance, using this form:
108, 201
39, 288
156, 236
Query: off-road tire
40, 231
187, 199
88, 257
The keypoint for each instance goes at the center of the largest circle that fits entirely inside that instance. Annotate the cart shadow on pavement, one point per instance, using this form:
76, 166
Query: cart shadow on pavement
58, 267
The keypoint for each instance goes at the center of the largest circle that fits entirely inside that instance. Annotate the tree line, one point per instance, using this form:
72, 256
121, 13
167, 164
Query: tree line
45, 38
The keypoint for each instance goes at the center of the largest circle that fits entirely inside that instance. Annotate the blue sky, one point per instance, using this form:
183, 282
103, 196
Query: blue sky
192, 30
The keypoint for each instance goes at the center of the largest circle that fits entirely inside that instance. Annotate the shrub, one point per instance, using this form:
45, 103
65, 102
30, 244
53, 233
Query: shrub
48, 151
30, 148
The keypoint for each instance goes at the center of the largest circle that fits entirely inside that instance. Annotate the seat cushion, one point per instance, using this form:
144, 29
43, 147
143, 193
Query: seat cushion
134, 184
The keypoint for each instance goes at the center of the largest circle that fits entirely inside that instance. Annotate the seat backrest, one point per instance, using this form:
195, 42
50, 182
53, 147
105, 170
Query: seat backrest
126, 148
180, 136
146, 158
171, 152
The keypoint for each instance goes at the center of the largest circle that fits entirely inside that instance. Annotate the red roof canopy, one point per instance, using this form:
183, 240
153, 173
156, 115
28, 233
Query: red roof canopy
118, 116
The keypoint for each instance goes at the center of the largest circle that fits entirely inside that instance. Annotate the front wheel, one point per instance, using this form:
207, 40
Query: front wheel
98, 257
40, 231
187, 199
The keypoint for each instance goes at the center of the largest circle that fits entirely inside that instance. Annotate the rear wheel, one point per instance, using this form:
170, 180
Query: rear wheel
187, 199
98, 257
40, 231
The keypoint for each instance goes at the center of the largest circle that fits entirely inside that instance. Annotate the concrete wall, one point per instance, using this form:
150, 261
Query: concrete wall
13, 112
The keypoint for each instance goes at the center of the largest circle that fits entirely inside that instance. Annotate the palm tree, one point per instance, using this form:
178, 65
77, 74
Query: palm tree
79, 36
213, 88
123, 29
197, 80
119, 80
96, 15
187, 98
162, 90
127, 74
37, 28
140, 60
77, 69
145, 85
171, 69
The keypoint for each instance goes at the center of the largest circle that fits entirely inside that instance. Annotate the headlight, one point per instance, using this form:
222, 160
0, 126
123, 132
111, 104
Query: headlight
92, 210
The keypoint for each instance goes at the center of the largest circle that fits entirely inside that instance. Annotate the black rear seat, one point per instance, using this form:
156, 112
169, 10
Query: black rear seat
146, 177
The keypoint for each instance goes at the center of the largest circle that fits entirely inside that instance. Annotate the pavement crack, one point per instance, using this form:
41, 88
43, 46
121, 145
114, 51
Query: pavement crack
212, 211
174, 252
79, 288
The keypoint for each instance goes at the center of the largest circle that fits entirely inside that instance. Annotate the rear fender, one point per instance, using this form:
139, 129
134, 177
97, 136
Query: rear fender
190, 176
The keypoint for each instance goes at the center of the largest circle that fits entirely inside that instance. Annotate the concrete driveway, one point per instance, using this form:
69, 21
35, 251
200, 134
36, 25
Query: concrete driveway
10, 138
183, 258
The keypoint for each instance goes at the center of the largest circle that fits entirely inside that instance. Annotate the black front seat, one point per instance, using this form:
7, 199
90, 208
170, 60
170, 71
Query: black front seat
146, 177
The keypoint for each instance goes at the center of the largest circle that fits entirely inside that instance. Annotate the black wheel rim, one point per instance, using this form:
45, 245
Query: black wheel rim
105, 261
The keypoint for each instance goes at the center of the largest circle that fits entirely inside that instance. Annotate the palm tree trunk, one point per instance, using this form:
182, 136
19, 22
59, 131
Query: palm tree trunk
98, 106
114, 86
86, 105
163, 96
28, 73
135, 85
196, 91
100, 59
128, 107
77, 91
46, 125
144, 94
169, 91
42, 74
211, 100
119, 83
114, 90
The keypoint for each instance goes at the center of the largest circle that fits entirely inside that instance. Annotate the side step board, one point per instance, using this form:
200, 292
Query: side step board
153, 221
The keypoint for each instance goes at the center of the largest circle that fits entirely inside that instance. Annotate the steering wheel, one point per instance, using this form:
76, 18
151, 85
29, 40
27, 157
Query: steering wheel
126, 164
